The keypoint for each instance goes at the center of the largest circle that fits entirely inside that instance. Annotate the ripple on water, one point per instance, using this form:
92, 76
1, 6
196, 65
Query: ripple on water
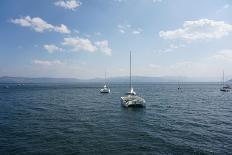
75, 119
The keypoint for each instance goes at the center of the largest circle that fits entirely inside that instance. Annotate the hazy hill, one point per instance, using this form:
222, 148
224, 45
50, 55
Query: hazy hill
7, 79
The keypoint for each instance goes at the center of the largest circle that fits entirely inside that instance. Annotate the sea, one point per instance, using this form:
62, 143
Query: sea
75, 118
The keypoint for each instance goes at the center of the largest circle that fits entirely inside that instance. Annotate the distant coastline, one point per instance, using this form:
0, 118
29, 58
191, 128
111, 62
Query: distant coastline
136, 79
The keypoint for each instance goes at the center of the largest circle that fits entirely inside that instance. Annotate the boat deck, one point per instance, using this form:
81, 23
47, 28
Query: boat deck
133, 101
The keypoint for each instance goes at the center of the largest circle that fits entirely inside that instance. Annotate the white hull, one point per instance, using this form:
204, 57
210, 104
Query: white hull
225, 88
105, 91
132, 101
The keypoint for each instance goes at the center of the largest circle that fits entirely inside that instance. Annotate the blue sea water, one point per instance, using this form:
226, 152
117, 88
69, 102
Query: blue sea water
77, 119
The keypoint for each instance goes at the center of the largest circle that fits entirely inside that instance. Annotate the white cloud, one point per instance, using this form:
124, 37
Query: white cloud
171, 48
125, 28
47, 62
52, 48
39, 25
103, 47
79, 44
224, 55
223, 8
198, 30
122, 31
69, 4
62, 29
226, 6
137, 31
122, 28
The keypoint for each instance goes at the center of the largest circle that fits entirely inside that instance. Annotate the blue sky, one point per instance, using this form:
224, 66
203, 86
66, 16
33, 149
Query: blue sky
83, 38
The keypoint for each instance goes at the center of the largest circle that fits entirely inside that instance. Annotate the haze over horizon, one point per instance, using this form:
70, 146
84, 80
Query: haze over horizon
82, 39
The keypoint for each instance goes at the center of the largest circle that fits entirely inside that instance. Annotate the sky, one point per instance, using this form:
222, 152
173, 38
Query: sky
85, 38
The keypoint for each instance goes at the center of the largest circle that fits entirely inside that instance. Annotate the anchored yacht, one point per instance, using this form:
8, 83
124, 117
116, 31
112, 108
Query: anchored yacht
131, 99
105, 89
225, 88
179, 87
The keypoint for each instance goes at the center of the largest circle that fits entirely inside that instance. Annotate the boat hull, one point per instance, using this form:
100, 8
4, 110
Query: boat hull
105, 91
132, 101
224, 90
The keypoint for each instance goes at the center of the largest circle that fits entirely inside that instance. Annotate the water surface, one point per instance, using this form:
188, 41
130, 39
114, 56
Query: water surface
76, 118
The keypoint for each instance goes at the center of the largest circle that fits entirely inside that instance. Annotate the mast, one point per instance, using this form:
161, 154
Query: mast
223, 81
130, 72
105, 77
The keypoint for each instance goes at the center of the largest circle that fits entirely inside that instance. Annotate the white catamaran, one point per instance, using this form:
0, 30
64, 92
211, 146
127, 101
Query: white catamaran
225, 88
131, 99
105, 89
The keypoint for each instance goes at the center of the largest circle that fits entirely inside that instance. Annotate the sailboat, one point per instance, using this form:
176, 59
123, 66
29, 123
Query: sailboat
225, 88
131, 99
179, 87
105, 89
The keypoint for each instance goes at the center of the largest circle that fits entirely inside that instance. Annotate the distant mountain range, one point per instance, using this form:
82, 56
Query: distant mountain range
7, 79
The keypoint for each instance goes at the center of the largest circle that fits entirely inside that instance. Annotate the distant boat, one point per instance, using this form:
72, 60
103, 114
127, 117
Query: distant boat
132, 100
225, 88
105, 89
179, 87
6, 87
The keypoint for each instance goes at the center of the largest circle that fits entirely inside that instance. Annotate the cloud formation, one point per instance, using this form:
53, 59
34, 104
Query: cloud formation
52, 48
122, 28
77, 44
103, 47
47, 62
137, 31
223, 8
170, 48
128, 28
224, 55
39, 25
198, 30
69, 4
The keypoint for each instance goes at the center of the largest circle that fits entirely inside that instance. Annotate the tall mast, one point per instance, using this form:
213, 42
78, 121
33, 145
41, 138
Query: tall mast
223, 78
130, 72
105, 77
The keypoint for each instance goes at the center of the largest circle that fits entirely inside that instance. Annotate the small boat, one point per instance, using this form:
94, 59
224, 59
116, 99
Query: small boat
131, 99
179, 87
6, 87
105, 89
225, 88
